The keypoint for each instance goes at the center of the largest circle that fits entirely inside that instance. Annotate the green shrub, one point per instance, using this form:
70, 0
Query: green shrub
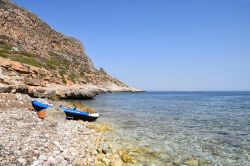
27, 60
52, 64
64, 80
4, 46
3, 54
52, 53
72, 77
27, 54
57, 60
62, 73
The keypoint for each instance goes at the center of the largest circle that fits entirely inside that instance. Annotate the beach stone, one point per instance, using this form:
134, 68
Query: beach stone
65, 154
100, 156
207, 162
108, 155
99, 163
105, 148
117, 162
59, 158
126, 158
35, 163
51, 160
46, 164
64, 163
42, 157
176, 162
111, 146
21, 160
94, 152
113, 157
105, 160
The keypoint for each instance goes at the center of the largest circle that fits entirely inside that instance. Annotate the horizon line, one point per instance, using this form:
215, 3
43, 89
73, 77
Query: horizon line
197, 90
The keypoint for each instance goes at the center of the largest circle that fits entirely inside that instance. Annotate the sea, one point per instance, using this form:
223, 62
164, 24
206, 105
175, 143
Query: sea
176, 127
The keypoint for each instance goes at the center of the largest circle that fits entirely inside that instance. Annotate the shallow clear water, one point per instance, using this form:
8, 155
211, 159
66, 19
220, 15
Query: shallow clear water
213, 127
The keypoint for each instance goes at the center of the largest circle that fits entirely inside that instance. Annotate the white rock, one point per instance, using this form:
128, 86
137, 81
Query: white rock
55, 153
59, 159
64, 163
42, 157
21, 160
35, 163
51, 160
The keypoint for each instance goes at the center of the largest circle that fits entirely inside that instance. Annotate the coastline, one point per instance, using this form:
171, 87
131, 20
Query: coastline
28, 140
86, 91
27, 80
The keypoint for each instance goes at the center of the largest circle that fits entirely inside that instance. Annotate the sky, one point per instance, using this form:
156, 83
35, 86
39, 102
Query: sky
172, 45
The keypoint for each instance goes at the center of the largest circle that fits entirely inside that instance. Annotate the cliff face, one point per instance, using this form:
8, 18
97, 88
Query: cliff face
33, 55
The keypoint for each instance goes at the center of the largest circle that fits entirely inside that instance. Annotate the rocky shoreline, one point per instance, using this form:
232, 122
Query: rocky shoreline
36, 61
27, 140
16, 77
87, 91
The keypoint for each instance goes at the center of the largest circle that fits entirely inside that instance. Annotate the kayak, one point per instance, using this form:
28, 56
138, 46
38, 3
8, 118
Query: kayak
38, 106
76, 114
71, 113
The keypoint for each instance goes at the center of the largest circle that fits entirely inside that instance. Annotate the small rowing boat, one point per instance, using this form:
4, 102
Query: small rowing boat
71, 113
76, 114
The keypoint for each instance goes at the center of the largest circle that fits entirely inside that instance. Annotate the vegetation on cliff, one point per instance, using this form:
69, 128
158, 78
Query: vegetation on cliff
27, 39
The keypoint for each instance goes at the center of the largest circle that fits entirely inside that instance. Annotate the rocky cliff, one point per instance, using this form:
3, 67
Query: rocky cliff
36, 59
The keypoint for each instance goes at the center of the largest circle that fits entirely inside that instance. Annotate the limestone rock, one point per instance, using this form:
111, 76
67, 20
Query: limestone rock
51, 160
117, 162
126, 158
42, 157
40, 58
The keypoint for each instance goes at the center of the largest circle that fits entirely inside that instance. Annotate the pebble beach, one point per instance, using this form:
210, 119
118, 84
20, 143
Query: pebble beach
27, 140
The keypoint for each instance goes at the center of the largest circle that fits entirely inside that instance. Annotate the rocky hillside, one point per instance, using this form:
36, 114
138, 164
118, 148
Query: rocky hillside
36, 59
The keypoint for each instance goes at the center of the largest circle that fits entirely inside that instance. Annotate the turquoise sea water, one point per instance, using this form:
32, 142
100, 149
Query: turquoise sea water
213, 127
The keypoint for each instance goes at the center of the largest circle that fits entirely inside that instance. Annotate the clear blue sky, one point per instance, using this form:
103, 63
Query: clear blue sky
160, 44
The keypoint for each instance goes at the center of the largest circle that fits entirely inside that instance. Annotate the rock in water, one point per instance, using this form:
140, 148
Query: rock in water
126, 158
191, 162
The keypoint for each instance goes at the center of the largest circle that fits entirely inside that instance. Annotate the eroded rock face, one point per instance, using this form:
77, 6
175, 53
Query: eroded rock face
16, 77
24, 30
30, 37
36, 59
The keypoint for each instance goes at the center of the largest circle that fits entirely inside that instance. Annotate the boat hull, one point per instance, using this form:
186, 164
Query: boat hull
38, 106
74, 113
71, 113
80, 117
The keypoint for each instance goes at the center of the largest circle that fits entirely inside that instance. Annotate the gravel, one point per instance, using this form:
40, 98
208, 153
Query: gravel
27, 140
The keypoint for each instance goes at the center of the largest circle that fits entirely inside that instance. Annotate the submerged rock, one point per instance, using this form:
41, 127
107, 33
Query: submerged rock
126, 158
100, 127
192, 162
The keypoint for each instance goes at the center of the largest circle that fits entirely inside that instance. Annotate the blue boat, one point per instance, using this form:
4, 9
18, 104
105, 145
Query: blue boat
71, 113
38, 106
76, 114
